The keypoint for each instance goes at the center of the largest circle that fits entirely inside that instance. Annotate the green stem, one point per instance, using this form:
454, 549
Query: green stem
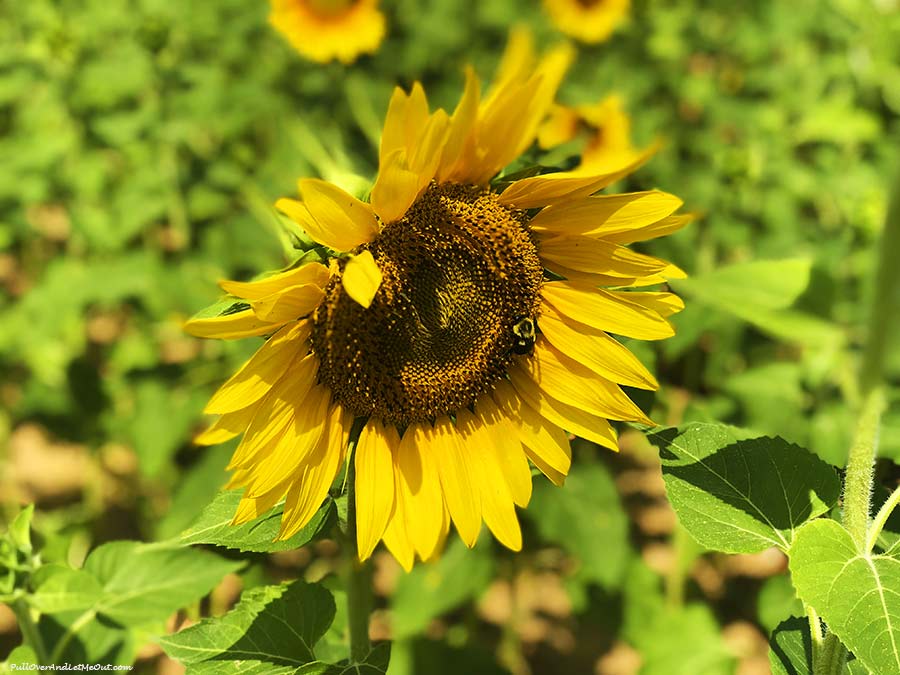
30, 634
358, 582
860, 465
883, 514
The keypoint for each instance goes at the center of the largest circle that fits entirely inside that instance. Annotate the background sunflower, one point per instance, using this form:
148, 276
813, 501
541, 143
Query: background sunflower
143, 146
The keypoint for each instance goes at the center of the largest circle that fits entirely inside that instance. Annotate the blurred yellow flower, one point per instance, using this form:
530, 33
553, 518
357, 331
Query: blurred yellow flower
590, 21
324, 30
459, 330
609, 133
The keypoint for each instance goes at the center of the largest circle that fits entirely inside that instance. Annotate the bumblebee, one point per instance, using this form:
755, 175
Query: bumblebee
524, 331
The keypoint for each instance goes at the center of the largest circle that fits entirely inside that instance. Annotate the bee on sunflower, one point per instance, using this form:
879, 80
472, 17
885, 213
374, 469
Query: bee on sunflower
460, 330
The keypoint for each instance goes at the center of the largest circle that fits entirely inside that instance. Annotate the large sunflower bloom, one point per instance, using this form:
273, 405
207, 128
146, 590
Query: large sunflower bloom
324, 30
590, 21
463, 329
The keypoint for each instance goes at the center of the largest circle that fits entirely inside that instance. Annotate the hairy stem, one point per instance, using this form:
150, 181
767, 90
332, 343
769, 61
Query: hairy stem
358, 581
830, 658
858, 481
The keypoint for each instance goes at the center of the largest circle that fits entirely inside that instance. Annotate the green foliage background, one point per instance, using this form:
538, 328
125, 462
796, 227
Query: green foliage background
144, 142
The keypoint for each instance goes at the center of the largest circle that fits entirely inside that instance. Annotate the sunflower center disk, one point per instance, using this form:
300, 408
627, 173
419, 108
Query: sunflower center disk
460, 271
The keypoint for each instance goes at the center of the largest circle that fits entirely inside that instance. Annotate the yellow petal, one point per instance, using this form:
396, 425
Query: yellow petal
627, 235
249, 508
299, 440
550, 188
575, 420
596, 350
374, 484
608, 216
598, 257
666, 304
362, 278
289, 303
396, 534
226, 427
463, 501
310, 273
568, 381
415, 465
607, 311
395, 189
276, 411
461, 124
231, 326
505, 441
487, 475
541, 437
261, 372
316, 473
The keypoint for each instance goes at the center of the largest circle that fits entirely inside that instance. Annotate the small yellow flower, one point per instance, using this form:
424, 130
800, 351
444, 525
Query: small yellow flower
324, 30
462, 330
590, 21
608, 126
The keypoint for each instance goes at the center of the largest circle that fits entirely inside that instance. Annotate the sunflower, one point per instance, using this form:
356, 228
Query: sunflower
459, 329
590, 21
323, 30
609, 133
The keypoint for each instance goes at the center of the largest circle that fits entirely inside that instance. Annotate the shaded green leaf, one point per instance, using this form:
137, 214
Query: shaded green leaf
790, 648
854, 593
742, 495
214, 527
147, 582
274, 626
59, 588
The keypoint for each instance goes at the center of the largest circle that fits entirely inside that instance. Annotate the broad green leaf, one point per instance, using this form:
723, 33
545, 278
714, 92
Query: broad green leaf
214, 527
762, 284
22, 655
83, 637
147, 582
741, 495
59, 588
587, 520
790, 648
437, 587
856, 594
277, 626
760, 292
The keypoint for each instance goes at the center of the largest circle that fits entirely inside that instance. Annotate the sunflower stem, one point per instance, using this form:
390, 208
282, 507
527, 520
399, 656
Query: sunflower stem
358, 581
863, 450
885, 300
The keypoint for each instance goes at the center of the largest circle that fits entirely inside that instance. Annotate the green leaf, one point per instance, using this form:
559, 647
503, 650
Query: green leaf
854, 593
776, 284
437, 587
587, 520
742, 496
271, 625
59, 588
147, 582
790, 648
214, 527
23, 655
19, 533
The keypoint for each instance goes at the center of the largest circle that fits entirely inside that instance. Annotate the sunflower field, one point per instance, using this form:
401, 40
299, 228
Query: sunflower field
446, 337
